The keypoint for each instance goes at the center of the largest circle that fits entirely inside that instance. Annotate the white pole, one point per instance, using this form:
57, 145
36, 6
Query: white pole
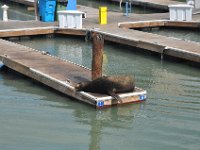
197, 4
5, 12
36, 9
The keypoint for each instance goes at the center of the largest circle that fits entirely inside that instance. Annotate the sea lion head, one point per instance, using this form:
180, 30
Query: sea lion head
80, 86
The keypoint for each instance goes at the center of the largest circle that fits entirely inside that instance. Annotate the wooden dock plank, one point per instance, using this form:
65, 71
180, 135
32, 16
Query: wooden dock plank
156, 43
174, 47
24, 28
33, 59
59, 74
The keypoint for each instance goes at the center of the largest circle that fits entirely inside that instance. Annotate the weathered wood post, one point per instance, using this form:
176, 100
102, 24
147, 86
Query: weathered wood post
97, 55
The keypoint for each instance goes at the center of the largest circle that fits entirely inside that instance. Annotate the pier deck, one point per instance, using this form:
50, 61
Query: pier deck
22, 28
63, 75
160, 44
58, 74
169, 46
187, 50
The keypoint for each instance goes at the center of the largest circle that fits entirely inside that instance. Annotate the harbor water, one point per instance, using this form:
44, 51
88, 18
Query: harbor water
185, 34
33, 116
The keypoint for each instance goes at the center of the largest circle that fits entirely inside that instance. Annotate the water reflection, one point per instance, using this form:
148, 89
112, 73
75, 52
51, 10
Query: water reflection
183, 34
41, 99
74, 53
65, 48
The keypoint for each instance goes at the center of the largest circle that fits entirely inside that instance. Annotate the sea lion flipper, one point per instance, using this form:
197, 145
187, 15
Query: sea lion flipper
114, 95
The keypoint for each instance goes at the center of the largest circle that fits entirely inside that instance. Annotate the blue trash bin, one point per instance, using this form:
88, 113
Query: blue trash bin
47, 10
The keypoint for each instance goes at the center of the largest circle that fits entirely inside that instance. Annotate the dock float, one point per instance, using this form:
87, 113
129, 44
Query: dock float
121, 34
59, 74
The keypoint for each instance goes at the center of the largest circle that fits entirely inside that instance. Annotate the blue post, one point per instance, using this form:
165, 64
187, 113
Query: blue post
71, 5
130, 7
127, 8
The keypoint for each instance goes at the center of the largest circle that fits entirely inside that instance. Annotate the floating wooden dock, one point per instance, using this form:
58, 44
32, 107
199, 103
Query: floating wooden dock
186, 50
63, 75
58, 74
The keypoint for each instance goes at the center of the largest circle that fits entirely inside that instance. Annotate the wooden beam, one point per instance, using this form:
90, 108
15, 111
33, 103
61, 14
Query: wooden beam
58, 74
81, 32
97, 55
143, 24
25, 32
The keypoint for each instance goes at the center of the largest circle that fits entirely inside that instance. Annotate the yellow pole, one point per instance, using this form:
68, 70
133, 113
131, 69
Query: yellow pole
102, 15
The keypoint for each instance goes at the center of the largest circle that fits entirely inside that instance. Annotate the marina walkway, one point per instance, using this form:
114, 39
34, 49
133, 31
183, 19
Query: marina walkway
63, 75
58, 74
23, 28
169, 46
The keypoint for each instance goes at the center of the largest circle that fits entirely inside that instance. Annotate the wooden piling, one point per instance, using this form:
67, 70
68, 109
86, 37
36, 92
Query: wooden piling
97, 55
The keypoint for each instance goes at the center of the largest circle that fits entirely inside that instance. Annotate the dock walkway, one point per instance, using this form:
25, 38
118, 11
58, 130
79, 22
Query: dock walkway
63, 75
169, 46
23, 28
187, 50
58, 74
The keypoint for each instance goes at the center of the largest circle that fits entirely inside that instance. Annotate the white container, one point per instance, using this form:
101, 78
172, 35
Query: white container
195, 3
180, 12
70, 19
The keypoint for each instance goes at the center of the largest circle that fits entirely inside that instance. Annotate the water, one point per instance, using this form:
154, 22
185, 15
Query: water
183, 34
35, 117
17, 12
114, 6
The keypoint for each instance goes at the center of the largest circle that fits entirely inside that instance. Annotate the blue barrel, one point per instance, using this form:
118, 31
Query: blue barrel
47, 10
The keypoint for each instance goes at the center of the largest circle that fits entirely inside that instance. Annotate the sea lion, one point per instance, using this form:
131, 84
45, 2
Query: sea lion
110, 85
